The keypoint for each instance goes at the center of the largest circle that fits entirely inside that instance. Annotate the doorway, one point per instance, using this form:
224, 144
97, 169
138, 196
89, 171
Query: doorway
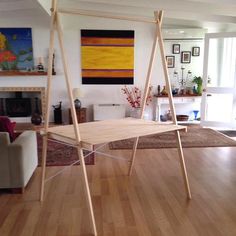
218, 107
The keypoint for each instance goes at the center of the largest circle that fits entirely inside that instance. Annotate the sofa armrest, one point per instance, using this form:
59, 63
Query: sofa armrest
4, 139
4, 161
23, 158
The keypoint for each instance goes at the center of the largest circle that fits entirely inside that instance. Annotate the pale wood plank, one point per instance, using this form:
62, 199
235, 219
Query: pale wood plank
183, 166
48, 93
171, 103
67, 79
104, 15
75, 124
98, 132
164, 66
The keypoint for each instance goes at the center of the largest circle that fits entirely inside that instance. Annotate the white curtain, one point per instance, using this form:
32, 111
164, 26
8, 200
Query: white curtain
228, 66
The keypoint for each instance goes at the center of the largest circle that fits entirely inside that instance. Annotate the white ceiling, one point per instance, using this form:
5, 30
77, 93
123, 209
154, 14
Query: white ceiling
178, 13
15, 9
219, 14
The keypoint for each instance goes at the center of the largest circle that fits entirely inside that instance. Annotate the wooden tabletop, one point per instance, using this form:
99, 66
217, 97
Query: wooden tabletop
99, 132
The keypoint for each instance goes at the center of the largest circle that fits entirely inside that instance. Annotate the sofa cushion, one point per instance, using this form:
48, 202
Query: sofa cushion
7, 126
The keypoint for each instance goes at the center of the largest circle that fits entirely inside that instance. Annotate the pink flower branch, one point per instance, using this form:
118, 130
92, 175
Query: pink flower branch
134, 96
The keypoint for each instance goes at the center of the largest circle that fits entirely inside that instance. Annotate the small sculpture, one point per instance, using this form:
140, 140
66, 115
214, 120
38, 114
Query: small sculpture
36, 117
164, 92
57, 113
53, 65
77, 93
158, 90
40, 67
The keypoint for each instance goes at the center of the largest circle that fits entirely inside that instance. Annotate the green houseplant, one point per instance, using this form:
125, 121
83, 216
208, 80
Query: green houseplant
198, 81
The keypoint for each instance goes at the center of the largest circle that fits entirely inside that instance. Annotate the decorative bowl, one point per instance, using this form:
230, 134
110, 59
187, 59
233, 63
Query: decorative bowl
182, 117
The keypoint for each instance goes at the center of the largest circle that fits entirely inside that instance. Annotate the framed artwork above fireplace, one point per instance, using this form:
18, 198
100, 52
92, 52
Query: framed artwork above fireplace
16, 49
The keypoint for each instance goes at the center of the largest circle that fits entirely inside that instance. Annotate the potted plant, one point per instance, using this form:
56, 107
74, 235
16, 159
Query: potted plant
198, 81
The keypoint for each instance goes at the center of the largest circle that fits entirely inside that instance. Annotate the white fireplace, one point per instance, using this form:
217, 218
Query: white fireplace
9, 94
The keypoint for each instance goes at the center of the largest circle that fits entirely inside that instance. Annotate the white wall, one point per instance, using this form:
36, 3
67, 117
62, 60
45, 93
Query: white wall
196, 62
144, 34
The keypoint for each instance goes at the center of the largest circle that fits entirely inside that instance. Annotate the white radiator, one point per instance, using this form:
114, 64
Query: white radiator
108, 111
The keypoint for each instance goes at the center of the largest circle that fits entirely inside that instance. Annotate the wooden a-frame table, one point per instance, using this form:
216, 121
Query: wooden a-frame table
88, 134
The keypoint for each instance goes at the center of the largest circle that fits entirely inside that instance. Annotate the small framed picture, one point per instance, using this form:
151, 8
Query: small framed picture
195, 51
185, 57
176, 48
170, 61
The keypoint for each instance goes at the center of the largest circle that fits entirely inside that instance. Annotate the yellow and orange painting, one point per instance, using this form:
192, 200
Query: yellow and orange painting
107, 56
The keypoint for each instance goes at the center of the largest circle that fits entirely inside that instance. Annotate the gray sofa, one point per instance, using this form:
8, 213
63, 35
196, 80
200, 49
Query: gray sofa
18, 160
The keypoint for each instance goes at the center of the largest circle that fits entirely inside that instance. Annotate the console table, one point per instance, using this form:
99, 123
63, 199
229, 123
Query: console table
81, 115
178, 99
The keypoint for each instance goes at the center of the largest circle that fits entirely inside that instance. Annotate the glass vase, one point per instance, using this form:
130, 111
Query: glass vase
135, 112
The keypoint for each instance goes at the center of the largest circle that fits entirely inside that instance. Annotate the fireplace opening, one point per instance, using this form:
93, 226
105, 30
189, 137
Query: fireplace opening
18, 107
19, 102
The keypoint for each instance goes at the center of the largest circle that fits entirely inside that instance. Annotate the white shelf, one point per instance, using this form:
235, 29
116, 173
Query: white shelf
162, 100
98, 132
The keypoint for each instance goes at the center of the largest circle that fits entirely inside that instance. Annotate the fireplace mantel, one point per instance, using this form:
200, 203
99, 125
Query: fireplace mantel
41, 90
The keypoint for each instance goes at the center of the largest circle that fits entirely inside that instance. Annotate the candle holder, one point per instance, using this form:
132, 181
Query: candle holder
182, 81
185, 83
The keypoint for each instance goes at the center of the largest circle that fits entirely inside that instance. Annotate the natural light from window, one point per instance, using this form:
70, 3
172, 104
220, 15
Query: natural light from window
222, 74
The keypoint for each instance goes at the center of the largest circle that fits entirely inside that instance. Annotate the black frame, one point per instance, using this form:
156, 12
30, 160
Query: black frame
197, 52
173, 61
176, 48
183, 60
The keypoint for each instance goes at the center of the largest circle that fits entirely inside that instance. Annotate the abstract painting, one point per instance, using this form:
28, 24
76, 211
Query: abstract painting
107, 56
16, 51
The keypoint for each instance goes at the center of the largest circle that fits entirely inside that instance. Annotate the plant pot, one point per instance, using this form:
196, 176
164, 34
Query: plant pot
199, 89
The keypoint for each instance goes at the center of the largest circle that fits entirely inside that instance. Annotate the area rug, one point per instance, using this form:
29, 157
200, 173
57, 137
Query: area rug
195, 137
60, 154
230, 133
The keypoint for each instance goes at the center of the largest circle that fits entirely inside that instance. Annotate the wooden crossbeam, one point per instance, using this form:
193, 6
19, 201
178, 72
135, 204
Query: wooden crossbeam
172, 107
102, 14
48, 93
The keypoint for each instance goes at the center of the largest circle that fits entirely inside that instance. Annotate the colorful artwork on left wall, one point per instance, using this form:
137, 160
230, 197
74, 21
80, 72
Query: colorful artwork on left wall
107, 56
16, 51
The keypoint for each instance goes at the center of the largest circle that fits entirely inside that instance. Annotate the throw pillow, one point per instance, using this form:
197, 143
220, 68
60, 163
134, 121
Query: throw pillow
7, 126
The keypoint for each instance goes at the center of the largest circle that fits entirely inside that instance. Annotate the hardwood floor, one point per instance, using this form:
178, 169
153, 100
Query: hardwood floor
150, 202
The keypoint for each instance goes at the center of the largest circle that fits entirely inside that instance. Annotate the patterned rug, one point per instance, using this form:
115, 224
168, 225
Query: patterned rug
60, 154
230, 133
195, 137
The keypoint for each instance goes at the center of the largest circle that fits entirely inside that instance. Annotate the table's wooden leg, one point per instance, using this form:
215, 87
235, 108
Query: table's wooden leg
87, 191
182, 163
43, 165
133, 156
